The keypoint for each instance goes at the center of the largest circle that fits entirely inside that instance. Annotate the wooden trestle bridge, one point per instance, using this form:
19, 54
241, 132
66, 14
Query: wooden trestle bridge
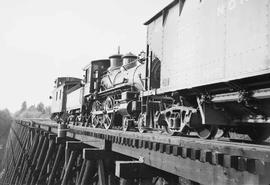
38, 153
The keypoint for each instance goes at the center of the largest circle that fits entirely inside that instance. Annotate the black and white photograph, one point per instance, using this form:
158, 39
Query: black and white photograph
125, 92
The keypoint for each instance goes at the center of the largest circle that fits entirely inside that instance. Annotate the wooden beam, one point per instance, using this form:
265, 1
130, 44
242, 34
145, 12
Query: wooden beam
60, 140
88, 172
56, 163
101, 173
69, 166
76, 145
97, 154
47, 159
79, 180
125, 182
44, 133
133, 169
52, 137
202, 172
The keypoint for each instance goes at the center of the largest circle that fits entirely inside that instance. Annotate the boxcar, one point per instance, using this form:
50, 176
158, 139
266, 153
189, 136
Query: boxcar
213, 56
203, 42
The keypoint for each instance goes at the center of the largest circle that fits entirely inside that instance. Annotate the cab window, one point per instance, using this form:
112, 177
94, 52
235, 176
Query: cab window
86, 75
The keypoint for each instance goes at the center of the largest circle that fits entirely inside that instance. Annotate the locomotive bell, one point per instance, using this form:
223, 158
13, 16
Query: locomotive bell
128, 58
115, 61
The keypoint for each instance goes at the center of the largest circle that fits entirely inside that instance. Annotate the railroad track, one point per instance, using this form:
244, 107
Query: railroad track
175, 140
235, 148
194, 159
225, 147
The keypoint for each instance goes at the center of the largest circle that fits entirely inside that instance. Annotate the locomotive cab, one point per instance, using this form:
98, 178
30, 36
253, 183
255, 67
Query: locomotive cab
93, 72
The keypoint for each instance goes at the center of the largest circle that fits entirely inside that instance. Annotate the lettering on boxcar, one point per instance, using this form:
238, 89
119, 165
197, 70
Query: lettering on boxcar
231, 4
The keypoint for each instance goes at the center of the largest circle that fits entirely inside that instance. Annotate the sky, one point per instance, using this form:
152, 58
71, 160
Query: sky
41, 40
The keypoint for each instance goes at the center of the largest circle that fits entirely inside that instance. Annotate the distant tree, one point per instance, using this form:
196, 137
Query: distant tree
24, 106
5, 124
48, 110
5, 121
40, 108
30, 113
32, 108
39, 111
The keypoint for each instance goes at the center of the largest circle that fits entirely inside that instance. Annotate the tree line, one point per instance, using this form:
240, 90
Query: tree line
6, 118
5, 122
33, 111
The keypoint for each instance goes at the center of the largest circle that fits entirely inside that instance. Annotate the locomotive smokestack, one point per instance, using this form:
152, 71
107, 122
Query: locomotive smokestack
115, 61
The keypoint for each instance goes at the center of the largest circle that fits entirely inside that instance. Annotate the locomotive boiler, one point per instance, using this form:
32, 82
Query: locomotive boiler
206, 71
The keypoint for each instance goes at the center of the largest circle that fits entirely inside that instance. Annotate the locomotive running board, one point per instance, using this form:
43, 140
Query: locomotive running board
114, 89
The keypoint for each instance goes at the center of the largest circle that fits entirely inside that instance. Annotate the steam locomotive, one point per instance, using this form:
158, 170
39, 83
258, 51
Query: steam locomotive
205, 70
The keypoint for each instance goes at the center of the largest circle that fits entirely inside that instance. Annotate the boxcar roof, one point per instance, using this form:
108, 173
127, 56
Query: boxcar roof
161, 12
